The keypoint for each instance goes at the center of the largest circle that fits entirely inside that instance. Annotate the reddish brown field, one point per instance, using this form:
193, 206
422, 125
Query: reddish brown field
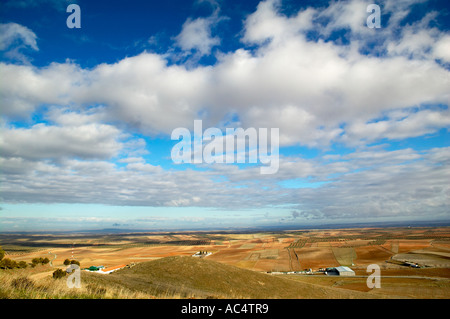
372, 255
409, 245
315, 258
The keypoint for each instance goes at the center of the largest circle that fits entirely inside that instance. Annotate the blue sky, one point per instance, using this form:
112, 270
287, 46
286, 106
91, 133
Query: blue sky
87, 114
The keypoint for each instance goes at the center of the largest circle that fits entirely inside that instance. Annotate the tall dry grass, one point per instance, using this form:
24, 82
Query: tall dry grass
29, 284
16, 284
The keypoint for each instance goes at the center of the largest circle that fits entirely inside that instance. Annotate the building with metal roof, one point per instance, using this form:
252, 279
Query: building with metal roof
340, 271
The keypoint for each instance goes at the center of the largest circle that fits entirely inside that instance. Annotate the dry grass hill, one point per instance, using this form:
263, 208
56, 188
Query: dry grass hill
187, 277
170, 277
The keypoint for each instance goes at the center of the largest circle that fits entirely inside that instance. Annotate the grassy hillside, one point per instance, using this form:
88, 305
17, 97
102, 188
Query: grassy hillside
171, 277
37, 283
201, 278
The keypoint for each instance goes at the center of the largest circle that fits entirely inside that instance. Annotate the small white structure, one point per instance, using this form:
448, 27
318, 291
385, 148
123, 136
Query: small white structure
201, 254
111, 269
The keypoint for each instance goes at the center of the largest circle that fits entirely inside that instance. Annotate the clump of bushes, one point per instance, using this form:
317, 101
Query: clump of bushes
68, 262
40, 260
59, 273
6, 263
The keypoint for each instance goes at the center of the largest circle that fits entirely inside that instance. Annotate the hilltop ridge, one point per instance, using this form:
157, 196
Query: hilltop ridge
203, 278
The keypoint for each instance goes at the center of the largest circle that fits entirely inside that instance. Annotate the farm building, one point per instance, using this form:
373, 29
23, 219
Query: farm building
103, 270
201, 254
94, 268
111, 269
411, 264
340, 271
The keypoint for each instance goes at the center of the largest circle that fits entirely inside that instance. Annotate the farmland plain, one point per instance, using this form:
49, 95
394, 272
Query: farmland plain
274, 253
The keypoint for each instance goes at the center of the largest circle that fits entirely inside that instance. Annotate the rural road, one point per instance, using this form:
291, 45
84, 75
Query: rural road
357, 276
51, 264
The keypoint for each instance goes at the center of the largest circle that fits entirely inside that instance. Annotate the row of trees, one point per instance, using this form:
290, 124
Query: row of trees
40, 260
6, 263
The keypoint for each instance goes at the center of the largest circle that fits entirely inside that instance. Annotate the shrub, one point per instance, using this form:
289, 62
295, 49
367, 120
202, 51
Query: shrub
73, 261
7, 263
59, 273
66, 262
40, 260
22, 264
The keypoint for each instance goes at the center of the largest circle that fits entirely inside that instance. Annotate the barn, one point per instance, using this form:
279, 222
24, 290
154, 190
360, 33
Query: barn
340, 271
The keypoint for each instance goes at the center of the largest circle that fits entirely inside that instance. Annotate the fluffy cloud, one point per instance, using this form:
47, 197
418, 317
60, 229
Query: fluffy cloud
41, 141
266, 24
310, 88
11, 32
442, 48
196, 35
29, 87
412, 124
15, 38
145, 93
